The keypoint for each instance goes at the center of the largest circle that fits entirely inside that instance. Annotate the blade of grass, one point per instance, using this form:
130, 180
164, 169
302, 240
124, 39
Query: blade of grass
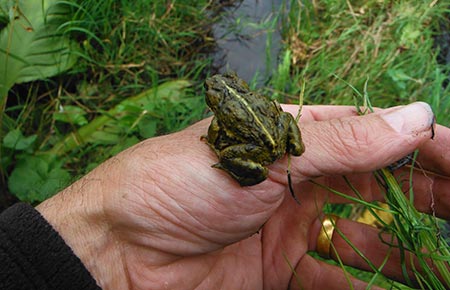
291, 267
350, 198
417, 236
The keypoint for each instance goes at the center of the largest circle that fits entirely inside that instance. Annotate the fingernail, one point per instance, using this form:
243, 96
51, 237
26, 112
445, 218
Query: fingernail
410, 119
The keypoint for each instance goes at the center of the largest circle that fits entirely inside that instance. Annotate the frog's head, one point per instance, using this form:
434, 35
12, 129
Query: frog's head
215, 88
218, 87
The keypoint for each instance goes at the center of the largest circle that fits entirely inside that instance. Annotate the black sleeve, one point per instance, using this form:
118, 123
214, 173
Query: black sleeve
34, 256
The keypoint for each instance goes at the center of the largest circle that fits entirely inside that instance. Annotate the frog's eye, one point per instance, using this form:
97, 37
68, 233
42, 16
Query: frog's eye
212, 98
243, 84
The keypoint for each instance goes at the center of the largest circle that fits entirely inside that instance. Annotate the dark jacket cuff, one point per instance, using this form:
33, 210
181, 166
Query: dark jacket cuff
34, 256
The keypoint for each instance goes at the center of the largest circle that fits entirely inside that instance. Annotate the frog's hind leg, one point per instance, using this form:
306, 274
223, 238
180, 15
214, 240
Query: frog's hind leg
246, 173
294, 143
241, 162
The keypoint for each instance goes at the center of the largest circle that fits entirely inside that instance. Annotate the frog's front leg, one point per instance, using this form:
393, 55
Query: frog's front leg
213, 135
239, 162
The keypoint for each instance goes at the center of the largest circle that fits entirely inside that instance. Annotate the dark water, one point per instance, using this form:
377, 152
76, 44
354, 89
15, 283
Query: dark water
242, 37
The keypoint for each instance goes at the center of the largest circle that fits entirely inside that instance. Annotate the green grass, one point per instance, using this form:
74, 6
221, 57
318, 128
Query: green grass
123, 48
386, 50
389, 44
140, 66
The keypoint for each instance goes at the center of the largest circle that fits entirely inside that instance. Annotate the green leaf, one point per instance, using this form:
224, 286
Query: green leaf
31, 46
3, 21
37, 178
15, 140
398, 75
71, 114
409, 35
104, 137
147, 127
171, 90
119, 147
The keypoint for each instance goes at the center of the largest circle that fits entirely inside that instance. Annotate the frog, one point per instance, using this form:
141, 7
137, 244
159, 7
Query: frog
248, 131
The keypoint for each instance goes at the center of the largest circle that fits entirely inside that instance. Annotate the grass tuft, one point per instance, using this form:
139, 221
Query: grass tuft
391, 43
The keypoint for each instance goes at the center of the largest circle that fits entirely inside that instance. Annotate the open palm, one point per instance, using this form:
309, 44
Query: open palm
164, 219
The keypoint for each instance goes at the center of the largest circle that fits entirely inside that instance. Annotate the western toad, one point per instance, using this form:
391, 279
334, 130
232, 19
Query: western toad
248, 130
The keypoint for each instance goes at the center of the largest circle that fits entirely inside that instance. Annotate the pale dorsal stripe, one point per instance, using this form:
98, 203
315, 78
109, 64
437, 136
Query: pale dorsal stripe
247, 105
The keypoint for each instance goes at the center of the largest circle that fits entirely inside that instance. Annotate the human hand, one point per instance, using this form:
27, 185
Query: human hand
157, 216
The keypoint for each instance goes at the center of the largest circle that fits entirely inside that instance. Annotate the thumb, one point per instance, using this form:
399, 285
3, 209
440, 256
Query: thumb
364, 143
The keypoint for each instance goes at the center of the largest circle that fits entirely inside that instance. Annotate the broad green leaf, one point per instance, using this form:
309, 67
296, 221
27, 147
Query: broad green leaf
104, 137
147, 127
37, 178
3, 20
119, 147
15, 140
31, 45
89, 133
398, 75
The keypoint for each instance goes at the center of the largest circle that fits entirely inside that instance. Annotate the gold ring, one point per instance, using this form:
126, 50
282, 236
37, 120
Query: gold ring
323, 244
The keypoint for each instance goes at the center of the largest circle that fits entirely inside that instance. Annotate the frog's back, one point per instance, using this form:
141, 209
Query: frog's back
252, 119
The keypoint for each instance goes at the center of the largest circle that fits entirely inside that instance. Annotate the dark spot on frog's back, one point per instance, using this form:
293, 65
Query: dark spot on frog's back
249, 131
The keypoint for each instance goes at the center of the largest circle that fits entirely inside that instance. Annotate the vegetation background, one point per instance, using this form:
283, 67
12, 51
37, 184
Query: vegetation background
82, 80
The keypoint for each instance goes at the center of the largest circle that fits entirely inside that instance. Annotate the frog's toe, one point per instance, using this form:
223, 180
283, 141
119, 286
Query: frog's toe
296, 149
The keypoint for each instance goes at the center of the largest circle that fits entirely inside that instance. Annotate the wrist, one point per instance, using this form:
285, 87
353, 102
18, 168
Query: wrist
79, 220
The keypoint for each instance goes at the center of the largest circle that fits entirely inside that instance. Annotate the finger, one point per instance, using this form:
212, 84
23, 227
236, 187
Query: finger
362, 143
360, 185
314, 274
367, 240
321, 113
374, 247
434, 154
324, 112
431, 192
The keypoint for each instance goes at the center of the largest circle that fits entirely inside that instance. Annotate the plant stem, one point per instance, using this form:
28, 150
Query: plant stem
416, 235
82, 135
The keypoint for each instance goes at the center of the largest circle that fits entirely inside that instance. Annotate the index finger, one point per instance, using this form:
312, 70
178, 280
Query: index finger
325, 112
321, 112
